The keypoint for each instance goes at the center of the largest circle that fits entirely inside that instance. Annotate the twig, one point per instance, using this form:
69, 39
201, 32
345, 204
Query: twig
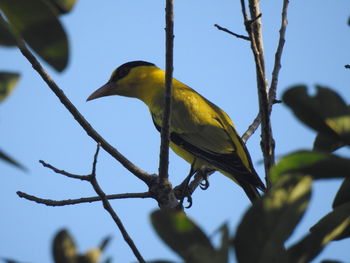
347, 66
142, 175
278, 55
165, 132
107, 206
232, 33
70, 175
50, 202
252, 128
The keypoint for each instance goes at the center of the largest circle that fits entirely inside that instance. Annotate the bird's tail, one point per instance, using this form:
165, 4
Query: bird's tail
251, 191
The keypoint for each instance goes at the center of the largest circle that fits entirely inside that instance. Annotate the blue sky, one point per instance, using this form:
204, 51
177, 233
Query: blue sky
105, 34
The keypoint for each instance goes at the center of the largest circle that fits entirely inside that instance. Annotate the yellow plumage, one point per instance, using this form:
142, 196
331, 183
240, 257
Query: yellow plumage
199, 130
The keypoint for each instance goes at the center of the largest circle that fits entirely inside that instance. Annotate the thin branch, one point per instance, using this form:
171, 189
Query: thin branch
277, 66
232, 33
347, 66
50, 202
107, 206
142, 175
252, 128
70, 175
254, 30
278, 55
165, 132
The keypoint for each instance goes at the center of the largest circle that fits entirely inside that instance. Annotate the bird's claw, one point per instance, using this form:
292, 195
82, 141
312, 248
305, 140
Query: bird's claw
189, 201
204, 185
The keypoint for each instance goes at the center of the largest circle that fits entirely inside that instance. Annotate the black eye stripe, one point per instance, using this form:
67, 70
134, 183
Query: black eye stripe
124, 69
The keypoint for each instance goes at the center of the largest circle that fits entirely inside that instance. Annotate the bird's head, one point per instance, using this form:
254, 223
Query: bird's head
127, 80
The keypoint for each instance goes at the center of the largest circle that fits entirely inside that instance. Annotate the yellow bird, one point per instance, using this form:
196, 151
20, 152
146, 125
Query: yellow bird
200, 132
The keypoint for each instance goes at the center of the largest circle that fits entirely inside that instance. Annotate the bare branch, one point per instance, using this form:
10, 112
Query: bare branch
165, 132
50, 202
254, 30
107, 206
142, 175
278, 55
70, 175
252, 128
232, 33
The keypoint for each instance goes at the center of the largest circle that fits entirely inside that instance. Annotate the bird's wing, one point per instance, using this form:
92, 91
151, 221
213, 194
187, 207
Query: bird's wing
204, 130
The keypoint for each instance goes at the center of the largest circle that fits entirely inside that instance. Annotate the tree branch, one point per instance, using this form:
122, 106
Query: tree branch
277, 66
107, 206
165, 132
254, 30
278, 55
70, 175
142, 175
231, 33
50, 202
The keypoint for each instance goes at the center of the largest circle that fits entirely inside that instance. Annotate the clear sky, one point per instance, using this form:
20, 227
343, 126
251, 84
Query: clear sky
105, 34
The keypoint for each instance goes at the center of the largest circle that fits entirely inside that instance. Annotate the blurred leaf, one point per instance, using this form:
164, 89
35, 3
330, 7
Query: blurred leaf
318, 165
223, 251
8, 81
183, 236
63, 6
343, 194
7, 260
108, 260
271, 220
8, 159
333, 226
326, 112
324, 143
91, 256
105, 242
64, 249
36, 22
6, 37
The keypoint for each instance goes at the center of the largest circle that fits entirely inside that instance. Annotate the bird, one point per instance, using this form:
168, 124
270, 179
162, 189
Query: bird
200, 132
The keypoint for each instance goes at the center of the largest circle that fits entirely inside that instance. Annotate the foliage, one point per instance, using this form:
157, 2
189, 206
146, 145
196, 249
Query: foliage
36, 21
64, 250
263, 230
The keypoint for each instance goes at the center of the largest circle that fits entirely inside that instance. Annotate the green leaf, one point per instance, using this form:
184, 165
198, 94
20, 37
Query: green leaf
63, 6
8, 159
326, 112
343, 194
183, 236
333, 226
37, 23
271, 220
64, 249
8, 81
318, 165
6, 36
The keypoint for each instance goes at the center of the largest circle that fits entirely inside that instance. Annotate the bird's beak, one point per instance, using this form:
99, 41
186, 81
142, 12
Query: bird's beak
105, 90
